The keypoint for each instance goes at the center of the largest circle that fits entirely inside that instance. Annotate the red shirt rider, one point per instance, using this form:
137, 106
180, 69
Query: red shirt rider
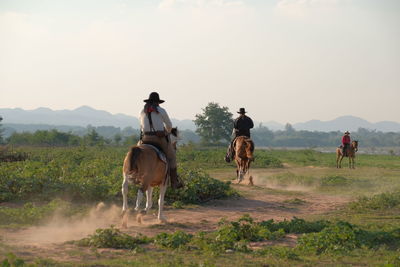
346, 139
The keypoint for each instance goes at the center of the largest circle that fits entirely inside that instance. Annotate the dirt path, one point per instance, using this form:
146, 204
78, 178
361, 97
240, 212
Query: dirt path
259, 202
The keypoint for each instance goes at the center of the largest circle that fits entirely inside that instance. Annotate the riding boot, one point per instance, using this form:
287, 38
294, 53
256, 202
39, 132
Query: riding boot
176, 183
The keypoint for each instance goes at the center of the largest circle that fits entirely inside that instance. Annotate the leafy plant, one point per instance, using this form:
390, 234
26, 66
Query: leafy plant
112, 238
377, 202
176, 240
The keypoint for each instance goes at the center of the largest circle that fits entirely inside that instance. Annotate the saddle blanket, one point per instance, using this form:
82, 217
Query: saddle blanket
160, 154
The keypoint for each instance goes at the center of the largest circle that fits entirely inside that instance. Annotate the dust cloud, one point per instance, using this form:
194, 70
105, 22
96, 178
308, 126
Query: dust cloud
274, 184
60, 229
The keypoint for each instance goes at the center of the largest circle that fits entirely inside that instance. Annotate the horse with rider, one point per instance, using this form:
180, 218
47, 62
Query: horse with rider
241, 147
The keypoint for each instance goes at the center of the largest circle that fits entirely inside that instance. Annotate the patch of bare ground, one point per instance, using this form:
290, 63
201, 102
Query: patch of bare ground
47, 240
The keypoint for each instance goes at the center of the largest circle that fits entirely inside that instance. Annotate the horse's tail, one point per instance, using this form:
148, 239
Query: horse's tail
131, 160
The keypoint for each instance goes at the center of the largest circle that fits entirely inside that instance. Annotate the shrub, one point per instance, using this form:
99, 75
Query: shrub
30, 213
377, 202
199, 188
296, 225
344, 237
176, 240
113, 238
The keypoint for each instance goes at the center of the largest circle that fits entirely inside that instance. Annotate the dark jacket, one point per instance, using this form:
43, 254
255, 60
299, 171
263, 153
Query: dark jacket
242, 126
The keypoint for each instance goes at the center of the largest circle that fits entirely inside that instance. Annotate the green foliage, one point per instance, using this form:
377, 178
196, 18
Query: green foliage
32, 214
195, 156
12, 260
215, 124
44, 138
295, 225
343, 237
199, 188
377, 202
278, 252
175, 240
1, 131
334, 180
91, 174
9, 155
112, 238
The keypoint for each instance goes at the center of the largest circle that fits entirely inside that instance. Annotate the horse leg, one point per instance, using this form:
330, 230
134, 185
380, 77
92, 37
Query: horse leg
124, 202
337, 161
161, 217
139, 198
149, 198
340, 161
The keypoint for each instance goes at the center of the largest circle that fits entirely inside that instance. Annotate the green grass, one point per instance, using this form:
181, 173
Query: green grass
369, 236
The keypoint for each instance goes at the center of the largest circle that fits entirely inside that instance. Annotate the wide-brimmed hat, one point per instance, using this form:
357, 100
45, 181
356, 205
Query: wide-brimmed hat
154, 97
242, 111
346, 132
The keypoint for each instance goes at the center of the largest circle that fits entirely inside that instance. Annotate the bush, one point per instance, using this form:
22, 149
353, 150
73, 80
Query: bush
113, 238
296, 225
377, 202
176, 240
344, 237
30, 213
199, 188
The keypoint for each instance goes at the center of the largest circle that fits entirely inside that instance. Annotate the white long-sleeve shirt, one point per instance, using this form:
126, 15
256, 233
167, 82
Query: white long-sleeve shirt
160, 120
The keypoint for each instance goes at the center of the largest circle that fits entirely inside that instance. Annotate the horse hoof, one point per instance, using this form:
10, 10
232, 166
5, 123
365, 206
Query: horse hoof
139, 218
122, 214
162, 220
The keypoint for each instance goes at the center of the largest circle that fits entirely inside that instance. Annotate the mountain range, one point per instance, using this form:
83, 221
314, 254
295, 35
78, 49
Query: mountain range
85, 115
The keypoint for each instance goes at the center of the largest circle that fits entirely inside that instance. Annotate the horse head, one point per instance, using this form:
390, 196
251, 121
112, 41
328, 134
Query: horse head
355, 145
174, 137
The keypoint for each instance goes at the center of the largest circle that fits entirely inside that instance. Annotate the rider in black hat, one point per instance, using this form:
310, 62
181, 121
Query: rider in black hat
156, 126
241, 127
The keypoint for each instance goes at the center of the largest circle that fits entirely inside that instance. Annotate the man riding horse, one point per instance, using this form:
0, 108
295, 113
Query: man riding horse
346, 143
156, 127
241, 127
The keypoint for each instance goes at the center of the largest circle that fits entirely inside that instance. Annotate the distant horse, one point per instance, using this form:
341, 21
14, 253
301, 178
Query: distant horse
351, 153
145, 166
244, 148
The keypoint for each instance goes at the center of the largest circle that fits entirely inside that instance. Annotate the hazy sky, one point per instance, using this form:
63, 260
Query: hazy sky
283, 60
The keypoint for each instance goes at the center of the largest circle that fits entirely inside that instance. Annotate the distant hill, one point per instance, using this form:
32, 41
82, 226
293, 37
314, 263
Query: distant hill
350, 123
81, 116
85, 115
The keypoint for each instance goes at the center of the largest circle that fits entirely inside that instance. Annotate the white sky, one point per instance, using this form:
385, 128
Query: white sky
283, 60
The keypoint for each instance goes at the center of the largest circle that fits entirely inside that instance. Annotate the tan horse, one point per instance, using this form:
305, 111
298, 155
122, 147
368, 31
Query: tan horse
351, 153
143, 166
244, 148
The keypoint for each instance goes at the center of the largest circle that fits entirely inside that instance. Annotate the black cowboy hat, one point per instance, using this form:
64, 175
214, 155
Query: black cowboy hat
154, 97
242, 111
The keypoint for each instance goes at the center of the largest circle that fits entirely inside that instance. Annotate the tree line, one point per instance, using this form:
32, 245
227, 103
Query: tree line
214, 128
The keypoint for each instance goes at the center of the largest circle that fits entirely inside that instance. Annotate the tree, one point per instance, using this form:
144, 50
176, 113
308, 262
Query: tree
117, 138
93, 138
215, 124
1, 131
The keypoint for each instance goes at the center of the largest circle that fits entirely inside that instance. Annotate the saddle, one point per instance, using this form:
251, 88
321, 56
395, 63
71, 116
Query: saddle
160, 154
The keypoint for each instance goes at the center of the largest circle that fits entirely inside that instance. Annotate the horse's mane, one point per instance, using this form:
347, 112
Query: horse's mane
174, 131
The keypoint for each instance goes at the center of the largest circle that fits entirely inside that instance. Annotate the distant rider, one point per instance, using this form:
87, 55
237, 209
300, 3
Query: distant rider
241, 127
346, 142
155, 127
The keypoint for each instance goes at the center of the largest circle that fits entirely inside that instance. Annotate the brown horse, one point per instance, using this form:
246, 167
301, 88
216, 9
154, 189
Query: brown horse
244, 148
351, 154
144, 166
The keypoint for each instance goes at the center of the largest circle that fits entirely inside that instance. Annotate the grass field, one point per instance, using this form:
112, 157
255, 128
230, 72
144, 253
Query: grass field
52, 204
